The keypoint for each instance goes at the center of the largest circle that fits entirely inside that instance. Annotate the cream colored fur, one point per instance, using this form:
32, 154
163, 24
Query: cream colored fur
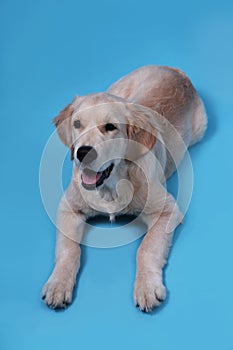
155, 108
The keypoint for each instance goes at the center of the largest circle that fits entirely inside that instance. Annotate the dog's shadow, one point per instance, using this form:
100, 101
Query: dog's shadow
212, 121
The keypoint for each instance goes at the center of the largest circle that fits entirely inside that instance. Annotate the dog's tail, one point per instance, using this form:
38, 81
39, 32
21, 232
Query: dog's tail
199, 121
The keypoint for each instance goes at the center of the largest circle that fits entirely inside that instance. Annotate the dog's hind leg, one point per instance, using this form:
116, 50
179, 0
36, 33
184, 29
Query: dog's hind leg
199, 122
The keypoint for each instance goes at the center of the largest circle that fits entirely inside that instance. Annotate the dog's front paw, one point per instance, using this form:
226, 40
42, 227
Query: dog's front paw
57, 293
149, 291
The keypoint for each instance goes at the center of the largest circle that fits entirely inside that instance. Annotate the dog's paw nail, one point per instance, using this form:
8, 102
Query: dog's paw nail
148, 293
57, 295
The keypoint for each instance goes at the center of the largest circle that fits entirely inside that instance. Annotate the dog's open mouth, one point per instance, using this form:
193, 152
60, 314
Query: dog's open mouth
92, 179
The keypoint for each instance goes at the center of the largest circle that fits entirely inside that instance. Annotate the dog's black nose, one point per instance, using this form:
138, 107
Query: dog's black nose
86, 154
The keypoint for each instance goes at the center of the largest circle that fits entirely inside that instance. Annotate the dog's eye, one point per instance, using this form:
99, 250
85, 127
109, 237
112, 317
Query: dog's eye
77, 124
110, 127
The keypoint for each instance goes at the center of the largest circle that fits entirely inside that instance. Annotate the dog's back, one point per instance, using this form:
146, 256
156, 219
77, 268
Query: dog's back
169, 92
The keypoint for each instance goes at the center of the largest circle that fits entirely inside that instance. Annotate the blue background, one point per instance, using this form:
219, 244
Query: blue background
52, 50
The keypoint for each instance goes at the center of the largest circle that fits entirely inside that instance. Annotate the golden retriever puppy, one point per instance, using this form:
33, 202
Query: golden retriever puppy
125, 143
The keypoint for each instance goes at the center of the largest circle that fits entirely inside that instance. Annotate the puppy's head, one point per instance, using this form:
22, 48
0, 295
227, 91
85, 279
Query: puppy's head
101, 130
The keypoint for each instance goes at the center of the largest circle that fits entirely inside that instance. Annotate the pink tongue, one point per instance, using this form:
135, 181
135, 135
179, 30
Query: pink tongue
90, 179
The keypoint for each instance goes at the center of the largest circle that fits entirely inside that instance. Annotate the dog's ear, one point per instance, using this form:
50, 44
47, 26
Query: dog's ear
63, 125
140, 129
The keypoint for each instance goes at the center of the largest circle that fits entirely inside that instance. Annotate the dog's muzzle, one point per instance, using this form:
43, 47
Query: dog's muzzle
92, 179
